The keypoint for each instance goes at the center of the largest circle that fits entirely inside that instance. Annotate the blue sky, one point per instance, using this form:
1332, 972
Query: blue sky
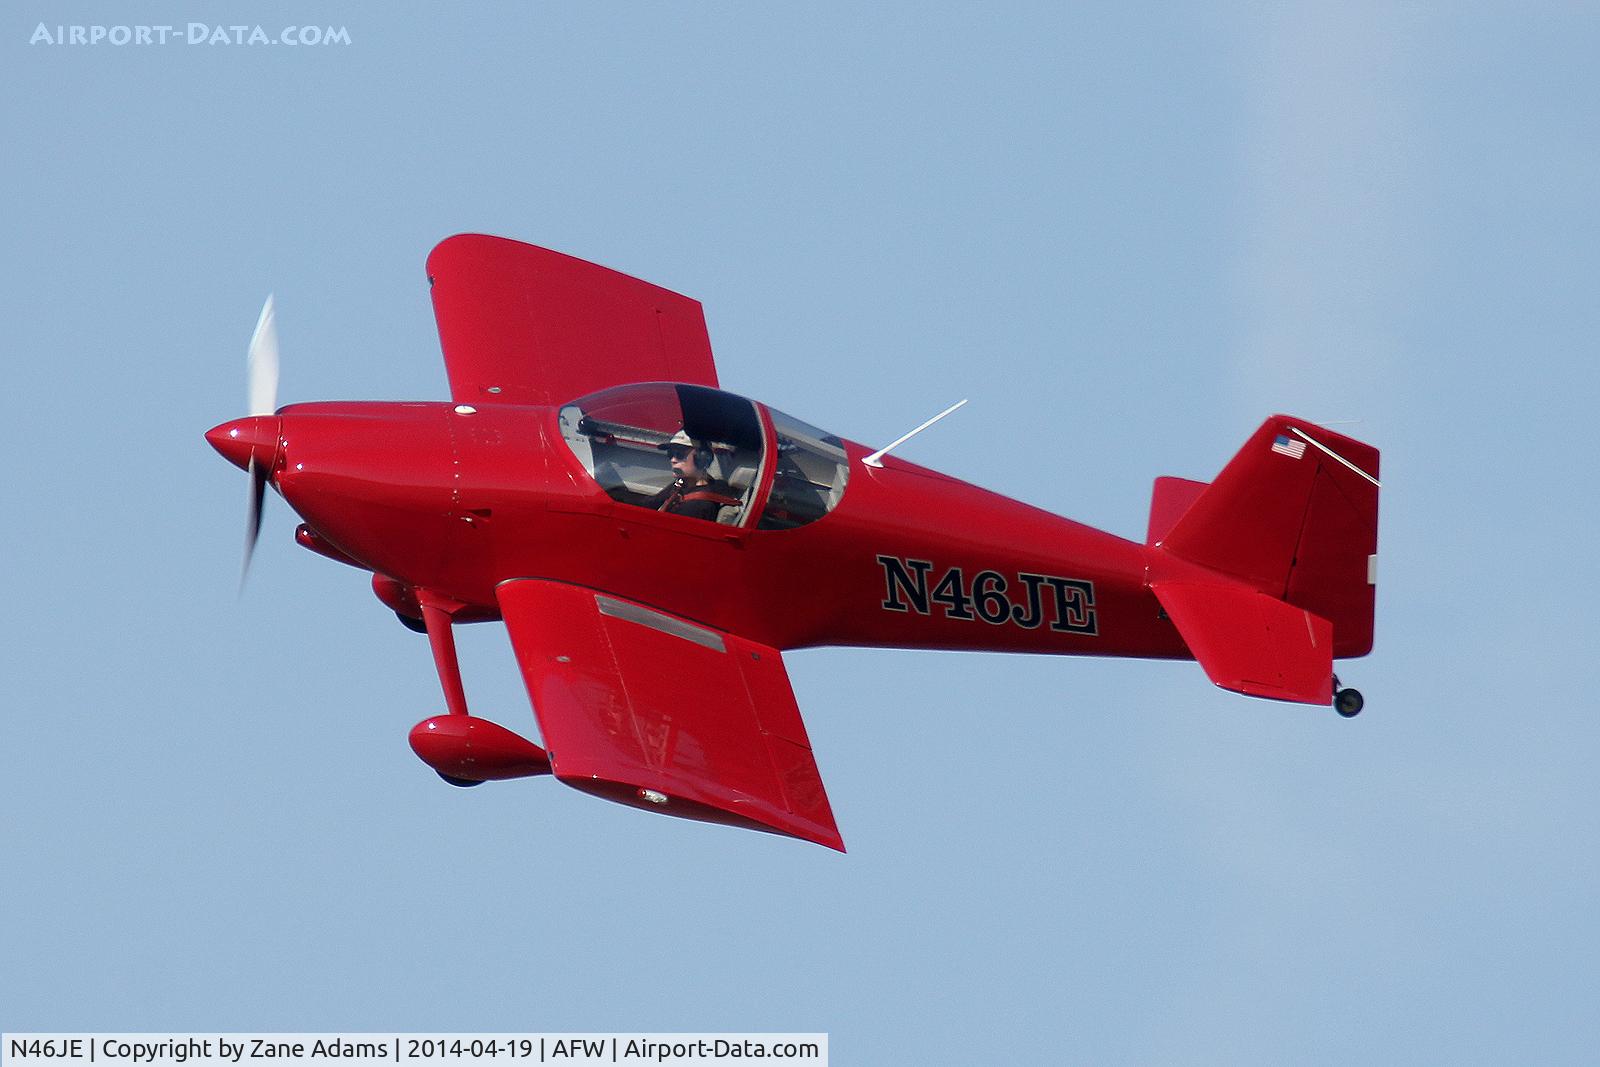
1126, 233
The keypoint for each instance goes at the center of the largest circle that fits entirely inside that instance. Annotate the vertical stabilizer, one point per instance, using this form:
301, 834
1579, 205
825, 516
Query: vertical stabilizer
1295, 515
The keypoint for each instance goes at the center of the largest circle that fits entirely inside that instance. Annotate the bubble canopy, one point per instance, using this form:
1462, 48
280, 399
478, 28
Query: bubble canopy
707, 454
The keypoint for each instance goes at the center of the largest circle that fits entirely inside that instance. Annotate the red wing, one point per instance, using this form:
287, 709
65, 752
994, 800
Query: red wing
652, 710
525, 325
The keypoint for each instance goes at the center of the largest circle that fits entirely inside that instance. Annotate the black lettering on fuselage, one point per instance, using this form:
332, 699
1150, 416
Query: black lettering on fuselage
1070, 602
1030, 613
913, 583
1074, 605
989, 597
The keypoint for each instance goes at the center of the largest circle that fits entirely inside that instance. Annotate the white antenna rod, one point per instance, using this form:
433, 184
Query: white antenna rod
876, 459
1301, 433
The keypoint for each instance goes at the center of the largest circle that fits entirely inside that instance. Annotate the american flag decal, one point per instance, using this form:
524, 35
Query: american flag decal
1287, 446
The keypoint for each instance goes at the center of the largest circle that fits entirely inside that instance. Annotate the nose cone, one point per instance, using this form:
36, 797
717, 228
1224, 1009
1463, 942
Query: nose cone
254, 436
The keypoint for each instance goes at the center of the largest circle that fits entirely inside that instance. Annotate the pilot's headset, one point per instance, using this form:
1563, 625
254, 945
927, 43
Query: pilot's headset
704, 457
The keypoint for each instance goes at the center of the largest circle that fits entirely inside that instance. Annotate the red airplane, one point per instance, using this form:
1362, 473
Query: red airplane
653, 544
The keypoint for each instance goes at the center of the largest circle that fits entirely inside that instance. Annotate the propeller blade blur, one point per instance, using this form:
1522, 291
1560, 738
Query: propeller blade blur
262, 362
252, 526
262, 395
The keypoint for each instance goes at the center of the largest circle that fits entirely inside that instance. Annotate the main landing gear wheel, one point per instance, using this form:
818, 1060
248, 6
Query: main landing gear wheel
1348, 702
416, 626
463, 783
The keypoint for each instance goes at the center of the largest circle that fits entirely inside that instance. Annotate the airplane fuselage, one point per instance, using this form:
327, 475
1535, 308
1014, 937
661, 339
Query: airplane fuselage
457, 500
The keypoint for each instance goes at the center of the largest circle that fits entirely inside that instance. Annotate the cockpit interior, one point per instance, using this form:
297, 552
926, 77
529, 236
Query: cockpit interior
623, 437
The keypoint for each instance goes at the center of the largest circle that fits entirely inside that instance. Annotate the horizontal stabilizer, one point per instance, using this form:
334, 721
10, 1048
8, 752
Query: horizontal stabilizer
661, 713
1252, 643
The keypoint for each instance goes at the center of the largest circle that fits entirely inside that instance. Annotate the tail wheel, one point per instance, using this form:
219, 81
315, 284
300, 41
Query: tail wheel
1348, 702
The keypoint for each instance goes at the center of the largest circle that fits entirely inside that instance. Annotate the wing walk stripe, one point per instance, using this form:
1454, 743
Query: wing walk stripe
621, 609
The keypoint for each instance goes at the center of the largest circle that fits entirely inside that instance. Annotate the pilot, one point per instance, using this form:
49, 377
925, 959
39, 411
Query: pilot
693, 492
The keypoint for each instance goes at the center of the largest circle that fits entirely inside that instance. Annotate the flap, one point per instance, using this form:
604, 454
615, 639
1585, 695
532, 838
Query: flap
648, 709
524, 325
1252, 643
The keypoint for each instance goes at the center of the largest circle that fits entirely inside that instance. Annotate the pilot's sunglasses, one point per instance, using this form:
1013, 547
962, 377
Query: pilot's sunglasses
679, 451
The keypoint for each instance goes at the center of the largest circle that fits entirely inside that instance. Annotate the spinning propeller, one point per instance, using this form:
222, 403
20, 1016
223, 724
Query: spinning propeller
252, 442
262, 368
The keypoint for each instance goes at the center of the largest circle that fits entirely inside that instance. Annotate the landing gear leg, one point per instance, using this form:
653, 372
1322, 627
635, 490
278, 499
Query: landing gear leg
436, 618
436, 623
